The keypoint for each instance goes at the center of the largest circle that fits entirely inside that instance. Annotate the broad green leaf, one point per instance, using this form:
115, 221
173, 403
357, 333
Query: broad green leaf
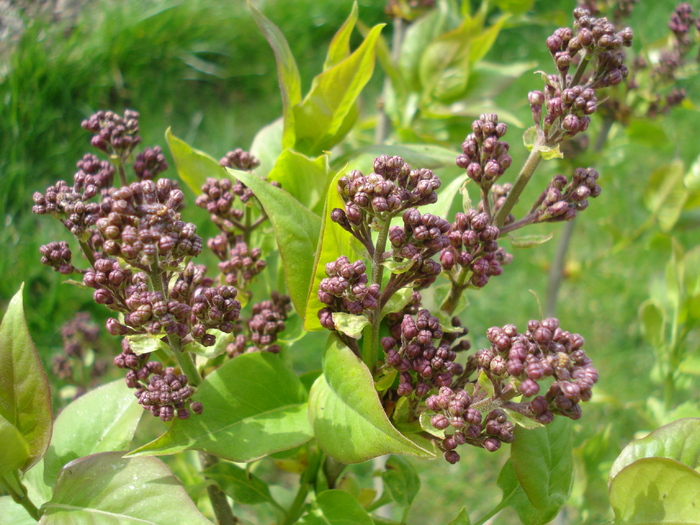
296, 230
267, 146
656, 491
193, 166
517, 7
666, 194
349, 324
418, 37
304, 178
25, 397
529, 241
334, 242
253, 406
108, 489
145, 343
679, 441
543, 463
244, 487
103, 420
320, 119
15, 450
514, 496
287, 73
12, 513
336, 507
482, 43
348, 419
401, 480
339, 48
653, 319
461, 519
445, 64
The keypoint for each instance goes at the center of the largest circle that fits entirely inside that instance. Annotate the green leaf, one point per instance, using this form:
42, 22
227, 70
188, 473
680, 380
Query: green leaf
287, 73
517, 7
15, 449
655, 491
445, 63
336, 507
666, 194
335, 241
461, 519
530, 139
401, 480
339, 48
320, 119
145, 343
193, 166
244, 487
210, 352
399, 267
253, 406
349, 324
304, 178
543, 463
481, 43
529, 241
348, 419
12, 513
679, 441
397, 301
521, 420
108, 489
692, 178
418, 37
514, 496
25, 396
103, 420
653, 319
267, 146
296, 230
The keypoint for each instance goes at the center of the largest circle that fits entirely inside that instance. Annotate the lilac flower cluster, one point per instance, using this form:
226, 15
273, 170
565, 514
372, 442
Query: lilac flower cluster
484, 156
563, 199
267, 321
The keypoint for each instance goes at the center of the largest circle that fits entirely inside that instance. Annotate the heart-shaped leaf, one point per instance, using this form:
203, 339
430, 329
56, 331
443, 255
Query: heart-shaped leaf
348, 419
679, 440
656, 491
25, 397
543, 463
103, 420
108, 489
253, 406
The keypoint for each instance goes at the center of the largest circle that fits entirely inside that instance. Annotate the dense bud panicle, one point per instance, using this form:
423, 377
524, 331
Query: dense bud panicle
267, 321
113, 133
563, 199
345, 289
484, 156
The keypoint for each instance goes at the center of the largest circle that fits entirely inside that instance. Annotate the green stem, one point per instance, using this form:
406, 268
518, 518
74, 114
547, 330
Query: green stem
582, 65
524, 177
381, 132
219, 502
11, 483
120, 170
450, 303
498, 508
370, 348
184, 359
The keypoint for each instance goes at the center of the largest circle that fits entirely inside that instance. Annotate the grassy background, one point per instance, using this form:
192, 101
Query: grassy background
202, 67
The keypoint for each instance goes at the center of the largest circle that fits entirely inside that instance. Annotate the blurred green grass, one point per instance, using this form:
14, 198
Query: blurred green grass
202, 67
